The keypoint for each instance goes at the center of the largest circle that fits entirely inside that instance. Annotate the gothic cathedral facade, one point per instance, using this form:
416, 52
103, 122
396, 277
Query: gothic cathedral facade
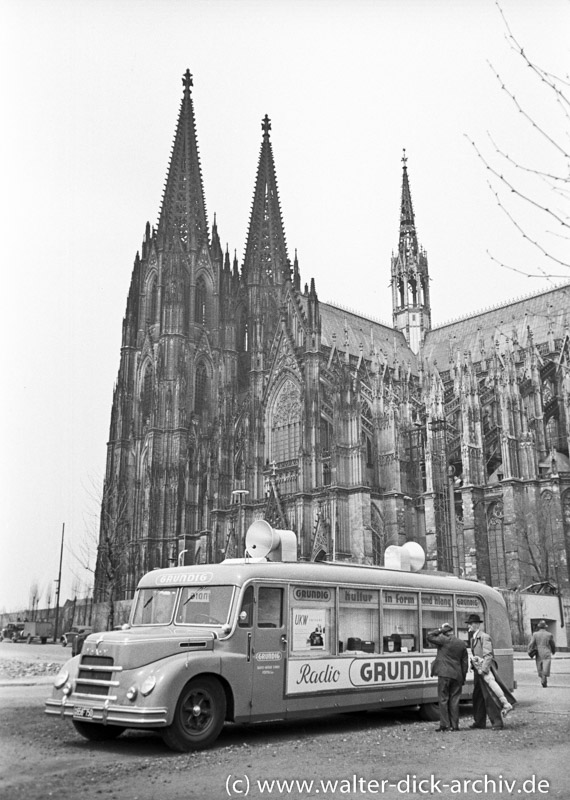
241, 396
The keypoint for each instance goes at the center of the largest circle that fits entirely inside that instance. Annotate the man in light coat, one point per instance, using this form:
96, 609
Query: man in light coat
543, 643
485, 702
450, 666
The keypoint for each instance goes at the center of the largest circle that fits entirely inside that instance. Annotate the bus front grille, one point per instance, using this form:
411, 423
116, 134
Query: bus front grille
95, 676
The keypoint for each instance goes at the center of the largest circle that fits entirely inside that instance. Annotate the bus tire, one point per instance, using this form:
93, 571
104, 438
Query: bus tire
96, 732
429, 712
199, 716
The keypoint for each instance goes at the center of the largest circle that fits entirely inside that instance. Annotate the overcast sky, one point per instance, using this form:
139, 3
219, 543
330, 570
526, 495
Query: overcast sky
90, 93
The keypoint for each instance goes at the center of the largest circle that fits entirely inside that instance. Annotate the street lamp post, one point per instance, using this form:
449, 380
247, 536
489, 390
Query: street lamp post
239, 496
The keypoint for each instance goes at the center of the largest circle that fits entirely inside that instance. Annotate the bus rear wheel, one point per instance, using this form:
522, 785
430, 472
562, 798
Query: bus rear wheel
96, 732
429, 712
199, 716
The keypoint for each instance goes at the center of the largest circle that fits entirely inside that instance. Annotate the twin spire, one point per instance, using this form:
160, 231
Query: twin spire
266, 249
183, 209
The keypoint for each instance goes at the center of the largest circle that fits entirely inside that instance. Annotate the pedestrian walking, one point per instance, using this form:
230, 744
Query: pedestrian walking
486, 703
542, 647
450, 666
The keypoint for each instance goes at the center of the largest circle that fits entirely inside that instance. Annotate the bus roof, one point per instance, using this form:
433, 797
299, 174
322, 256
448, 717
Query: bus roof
239, 572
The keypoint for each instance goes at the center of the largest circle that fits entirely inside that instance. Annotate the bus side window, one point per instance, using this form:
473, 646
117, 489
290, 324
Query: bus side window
400, 621
245, 616
437, 608
358, 620
466, 605
270, 607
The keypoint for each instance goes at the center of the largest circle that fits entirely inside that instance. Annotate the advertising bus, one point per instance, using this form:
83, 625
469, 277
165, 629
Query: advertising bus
263, 638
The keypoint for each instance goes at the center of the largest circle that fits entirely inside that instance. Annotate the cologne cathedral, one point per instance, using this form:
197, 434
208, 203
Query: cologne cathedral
240, 396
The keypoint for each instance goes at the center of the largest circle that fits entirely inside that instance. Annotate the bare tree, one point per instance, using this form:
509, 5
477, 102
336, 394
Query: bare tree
34, 598
535, 196
104, 549
48, 598
113, 548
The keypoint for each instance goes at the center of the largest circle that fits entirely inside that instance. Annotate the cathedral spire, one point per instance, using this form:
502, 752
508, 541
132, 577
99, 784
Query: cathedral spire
183, 211
410, 278
266, 250
408, 236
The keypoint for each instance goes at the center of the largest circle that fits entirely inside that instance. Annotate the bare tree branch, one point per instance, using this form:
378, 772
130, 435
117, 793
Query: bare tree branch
509, 177
527, 116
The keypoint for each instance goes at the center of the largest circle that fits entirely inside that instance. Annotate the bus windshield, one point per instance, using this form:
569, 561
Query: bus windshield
154, 606
204, 605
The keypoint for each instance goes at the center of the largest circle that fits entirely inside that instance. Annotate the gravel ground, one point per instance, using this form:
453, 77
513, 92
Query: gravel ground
15, 668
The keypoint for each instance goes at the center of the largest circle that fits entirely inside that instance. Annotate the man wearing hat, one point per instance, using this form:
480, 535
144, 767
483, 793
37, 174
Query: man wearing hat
542, 643
485, 702
450, 666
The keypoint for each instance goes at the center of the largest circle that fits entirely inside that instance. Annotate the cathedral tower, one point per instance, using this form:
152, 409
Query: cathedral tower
162, 436
410, 279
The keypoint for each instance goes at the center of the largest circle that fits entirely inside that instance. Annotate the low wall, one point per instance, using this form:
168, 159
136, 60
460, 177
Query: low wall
526, 608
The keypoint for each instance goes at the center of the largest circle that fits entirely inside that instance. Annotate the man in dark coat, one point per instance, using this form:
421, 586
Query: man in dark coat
450, 666
485, 702
542, 643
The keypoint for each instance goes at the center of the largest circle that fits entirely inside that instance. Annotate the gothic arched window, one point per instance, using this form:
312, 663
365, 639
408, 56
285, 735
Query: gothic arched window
496, 544
201, 389
201, 305
243, 343
152, 302
378, 536
326, 436
146, 395
285, 423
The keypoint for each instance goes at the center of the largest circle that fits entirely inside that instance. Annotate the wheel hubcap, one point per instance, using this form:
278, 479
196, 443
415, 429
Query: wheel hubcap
196, 712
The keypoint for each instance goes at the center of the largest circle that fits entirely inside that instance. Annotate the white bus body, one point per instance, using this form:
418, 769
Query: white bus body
256, 640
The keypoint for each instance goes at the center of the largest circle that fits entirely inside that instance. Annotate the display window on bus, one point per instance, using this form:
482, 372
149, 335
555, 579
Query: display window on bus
358, 620
400, 624
466, 605
312, 620
436, 609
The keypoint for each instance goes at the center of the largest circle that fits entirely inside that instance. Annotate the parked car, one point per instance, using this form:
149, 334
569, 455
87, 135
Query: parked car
12, 632
71, 635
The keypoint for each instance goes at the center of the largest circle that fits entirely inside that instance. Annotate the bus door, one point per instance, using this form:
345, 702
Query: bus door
269, 650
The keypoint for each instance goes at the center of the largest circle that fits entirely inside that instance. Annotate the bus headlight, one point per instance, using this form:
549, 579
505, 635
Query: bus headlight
61, 679
132, 693
148, 685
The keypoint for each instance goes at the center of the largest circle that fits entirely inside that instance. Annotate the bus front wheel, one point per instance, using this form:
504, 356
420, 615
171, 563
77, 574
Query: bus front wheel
199, 716
429, 712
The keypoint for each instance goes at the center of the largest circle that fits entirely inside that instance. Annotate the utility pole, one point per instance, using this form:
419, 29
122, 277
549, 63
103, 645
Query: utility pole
58, 587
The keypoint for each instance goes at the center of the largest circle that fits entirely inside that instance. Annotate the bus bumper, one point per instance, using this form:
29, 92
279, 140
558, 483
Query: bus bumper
107, 714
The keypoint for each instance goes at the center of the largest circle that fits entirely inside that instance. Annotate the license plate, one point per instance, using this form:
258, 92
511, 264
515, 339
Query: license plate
82, 712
